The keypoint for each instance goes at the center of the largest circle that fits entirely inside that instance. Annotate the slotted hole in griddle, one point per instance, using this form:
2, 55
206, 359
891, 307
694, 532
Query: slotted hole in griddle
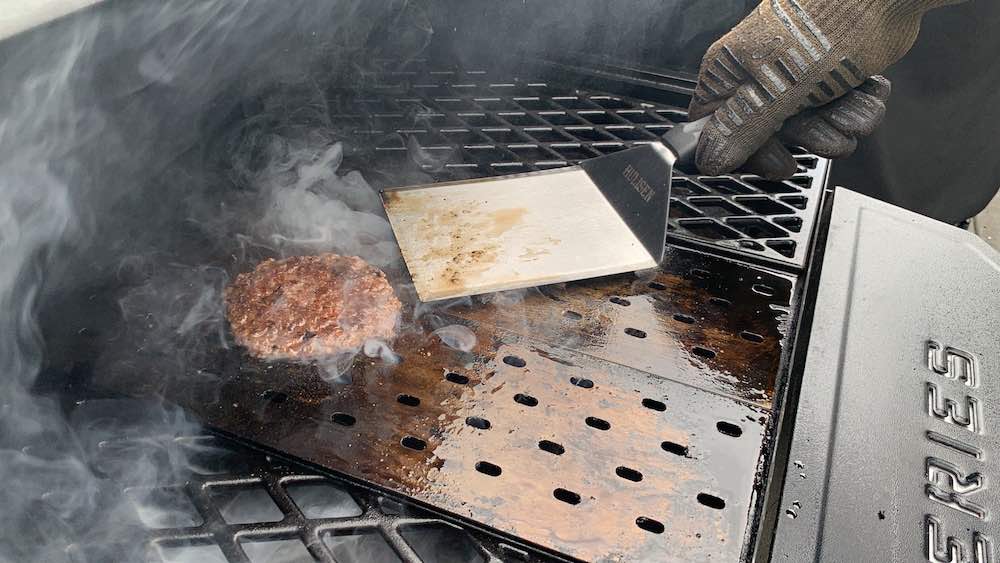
560, 118
681, 210
572, 315
551, 447
532, 153
487, 468
364, 545
773, 187
441, 543
496, 104
686, 319
408, 400
674, 448
589, 134
751, 336
620, 301
784, 247
526, 400
709, 229
456, 378
729, 429
711, 501
573, 152
598, 117
245, 504
765, 206
270, 550
202, 553
720, 302
520, 119
323, 500
609, 102
598, 423
567, 496
343, 419
164, 507
582, 382
628, 474
653, 404
413, 443
503, 135
534, 104
685, 187
807, 162
726, 186
573, 102
463, 137
547, 135
657, 286
514, 361
796, 201
703, 352
636, 333
793, 224
650, 525
478, 422
639, 117
630, 133
763, 289
756, 228
479, 120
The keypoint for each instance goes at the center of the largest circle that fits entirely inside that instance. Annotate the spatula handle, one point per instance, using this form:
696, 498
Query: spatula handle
683, 141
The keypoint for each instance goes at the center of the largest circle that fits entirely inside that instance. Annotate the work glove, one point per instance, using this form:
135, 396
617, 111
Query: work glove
800, 72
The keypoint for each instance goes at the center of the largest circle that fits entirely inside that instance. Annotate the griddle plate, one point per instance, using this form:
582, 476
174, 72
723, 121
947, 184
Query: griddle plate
619, 419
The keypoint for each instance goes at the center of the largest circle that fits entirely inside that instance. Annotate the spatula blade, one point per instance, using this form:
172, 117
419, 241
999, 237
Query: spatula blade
606, 216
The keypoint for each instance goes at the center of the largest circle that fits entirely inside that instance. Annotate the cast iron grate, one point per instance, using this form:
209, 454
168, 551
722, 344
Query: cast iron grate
621, 417
458, 124
225, 503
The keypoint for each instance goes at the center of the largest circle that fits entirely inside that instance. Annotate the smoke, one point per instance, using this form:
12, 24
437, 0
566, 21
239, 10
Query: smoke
114, 207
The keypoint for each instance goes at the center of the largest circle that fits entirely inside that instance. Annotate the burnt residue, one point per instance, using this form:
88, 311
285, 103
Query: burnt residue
702, 320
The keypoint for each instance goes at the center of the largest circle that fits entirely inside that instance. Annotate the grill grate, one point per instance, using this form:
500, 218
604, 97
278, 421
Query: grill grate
617, 418
460, 124
234, 504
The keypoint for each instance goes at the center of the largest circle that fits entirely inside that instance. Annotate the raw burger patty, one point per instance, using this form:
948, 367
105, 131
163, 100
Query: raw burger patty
311, 307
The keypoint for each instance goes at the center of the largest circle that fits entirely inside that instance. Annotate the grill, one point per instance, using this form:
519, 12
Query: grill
624, 418
457, 124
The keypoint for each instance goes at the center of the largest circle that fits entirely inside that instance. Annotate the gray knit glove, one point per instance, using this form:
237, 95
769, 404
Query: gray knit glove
793, 58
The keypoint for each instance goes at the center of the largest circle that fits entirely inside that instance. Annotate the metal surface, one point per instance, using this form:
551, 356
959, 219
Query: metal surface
229, 503
896, 439
619, 419
457, 124
513, 232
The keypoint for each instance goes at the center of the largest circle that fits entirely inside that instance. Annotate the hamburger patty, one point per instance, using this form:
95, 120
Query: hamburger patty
311, 307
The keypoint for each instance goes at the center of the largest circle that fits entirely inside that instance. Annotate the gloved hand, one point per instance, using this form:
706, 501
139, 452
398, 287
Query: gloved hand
793, 58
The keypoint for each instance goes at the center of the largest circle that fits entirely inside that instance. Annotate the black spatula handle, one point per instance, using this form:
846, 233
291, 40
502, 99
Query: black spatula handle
683, 141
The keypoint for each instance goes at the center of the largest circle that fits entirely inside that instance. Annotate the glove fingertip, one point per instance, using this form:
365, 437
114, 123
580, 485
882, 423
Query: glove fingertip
878, 86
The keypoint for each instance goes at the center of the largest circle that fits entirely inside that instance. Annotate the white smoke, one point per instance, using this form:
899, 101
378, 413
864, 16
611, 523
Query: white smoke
106, 181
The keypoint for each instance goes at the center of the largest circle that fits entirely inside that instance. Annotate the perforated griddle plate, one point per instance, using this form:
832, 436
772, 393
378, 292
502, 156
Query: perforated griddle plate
617, 419
457, 124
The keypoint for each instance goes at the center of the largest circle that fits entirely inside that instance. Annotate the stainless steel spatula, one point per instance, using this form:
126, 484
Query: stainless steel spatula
605, 216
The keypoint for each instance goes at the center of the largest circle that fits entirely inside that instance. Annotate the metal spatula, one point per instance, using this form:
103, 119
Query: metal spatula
605, 216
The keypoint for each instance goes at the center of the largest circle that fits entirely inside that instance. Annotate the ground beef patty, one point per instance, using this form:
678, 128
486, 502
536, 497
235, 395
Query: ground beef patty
311, 307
